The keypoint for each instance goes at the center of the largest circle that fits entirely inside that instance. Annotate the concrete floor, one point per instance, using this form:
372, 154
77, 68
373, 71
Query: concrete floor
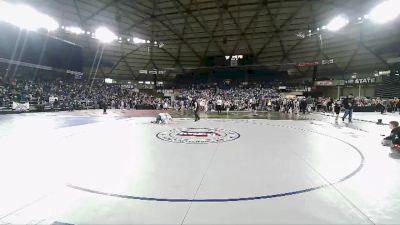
88, 168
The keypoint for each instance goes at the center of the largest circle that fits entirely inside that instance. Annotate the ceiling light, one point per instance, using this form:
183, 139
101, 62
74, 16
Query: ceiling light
385, 12
75, 30
104, 35
138, 41
337, 23
49, 23
25, 17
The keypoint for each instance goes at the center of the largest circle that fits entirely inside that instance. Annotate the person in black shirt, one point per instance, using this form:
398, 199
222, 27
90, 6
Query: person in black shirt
381, 107
329, 105
196, 110
394, 137
348, 104
105, 105
303, 106
398, 106
336, 109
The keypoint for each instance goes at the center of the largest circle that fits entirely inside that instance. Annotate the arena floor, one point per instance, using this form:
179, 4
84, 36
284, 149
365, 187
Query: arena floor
88, 168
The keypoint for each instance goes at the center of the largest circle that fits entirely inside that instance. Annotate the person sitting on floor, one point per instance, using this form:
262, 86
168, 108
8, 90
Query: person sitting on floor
393, 140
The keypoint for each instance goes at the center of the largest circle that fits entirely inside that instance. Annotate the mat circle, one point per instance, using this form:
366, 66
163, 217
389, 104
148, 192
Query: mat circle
250, 198
198, 135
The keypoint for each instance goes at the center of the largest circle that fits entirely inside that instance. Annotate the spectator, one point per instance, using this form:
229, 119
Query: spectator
337, 109
394, 137
348, 104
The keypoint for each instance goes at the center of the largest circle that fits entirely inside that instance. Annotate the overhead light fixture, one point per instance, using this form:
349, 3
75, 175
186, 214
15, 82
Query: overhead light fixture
108, 81
75, 30
26, 17
138, 41
104, 35
337, 23
49, 23
385, 12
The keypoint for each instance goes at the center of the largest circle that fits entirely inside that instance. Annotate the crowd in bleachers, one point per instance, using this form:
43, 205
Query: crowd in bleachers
267, 99
375, 104
231, 99
64, 95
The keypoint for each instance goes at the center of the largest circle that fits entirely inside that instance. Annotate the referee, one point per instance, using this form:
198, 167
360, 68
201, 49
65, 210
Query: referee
196, 110
105, 105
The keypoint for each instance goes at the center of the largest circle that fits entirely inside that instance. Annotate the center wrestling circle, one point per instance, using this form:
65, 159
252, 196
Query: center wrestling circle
231, 135
198, 135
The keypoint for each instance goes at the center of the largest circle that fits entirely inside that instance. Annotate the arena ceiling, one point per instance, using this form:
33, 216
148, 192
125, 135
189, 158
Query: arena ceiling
191, 30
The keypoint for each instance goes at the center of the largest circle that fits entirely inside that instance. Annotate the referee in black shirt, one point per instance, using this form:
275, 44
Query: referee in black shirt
196, 110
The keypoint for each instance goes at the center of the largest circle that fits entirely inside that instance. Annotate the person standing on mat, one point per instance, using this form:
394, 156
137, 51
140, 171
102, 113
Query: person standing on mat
348, 104
303, 105
398, 105
219, 105
105, 105
329, 105
196, 110
336, 109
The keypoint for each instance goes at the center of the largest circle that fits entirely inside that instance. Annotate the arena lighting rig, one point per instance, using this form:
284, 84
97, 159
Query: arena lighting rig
384, 12
17, 14
104, 35
28, 18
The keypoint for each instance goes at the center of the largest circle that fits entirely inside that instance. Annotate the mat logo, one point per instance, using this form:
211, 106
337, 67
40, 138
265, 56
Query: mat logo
198, 135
